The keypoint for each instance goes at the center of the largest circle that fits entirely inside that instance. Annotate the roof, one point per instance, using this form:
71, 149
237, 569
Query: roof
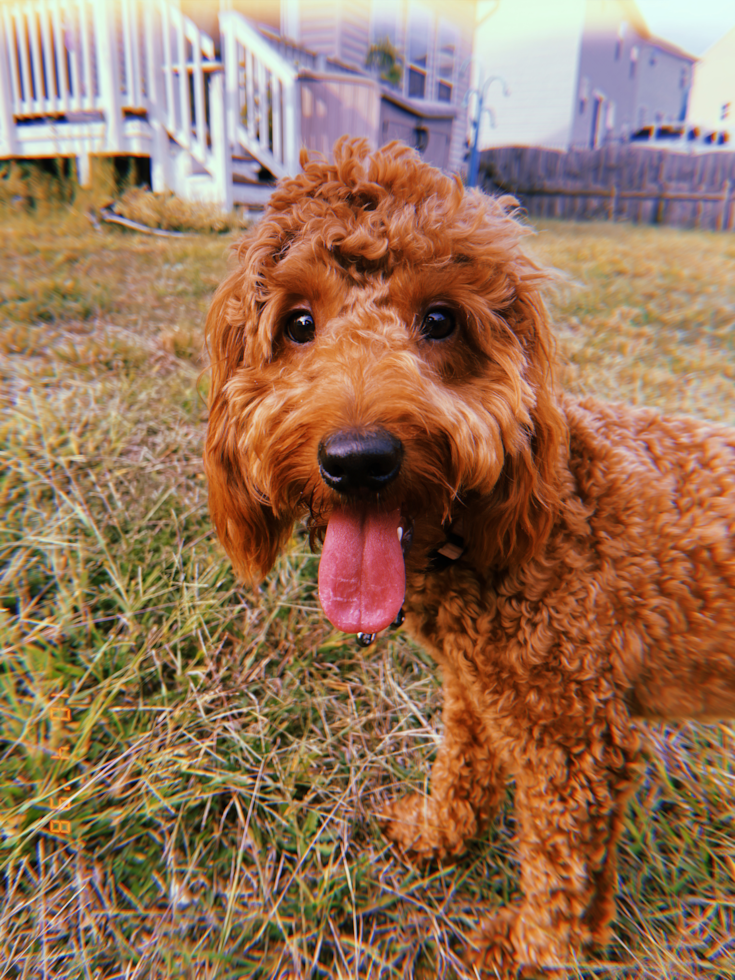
635, 18
663, 45
419, 107
639, 25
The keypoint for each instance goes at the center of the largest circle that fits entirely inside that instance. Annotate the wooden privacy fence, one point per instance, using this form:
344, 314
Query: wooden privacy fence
689, 190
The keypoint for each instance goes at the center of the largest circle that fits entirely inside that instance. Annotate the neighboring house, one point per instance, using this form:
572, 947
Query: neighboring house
712, 105
578, 73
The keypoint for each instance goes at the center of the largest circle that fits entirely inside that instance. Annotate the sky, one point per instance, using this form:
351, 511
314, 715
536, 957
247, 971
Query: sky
692, 26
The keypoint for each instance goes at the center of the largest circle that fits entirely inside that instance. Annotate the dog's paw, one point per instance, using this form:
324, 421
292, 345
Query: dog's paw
492, 952
499, 949
422, 830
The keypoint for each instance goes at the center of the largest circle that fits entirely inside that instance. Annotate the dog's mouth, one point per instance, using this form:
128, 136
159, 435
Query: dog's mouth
362, 575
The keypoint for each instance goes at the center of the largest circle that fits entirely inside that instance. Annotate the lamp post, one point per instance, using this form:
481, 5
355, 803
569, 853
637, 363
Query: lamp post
481, 94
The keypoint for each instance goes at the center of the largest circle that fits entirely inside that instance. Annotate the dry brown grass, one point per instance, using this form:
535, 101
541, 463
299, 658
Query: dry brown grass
172, 213
228, 750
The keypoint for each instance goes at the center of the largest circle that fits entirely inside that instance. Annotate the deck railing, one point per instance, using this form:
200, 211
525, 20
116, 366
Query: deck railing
92, 62
51, 53
262, 96
182, 89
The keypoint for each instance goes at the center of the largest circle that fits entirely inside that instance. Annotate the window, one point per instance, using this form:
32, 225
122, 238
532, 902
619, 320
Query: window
622, 28
725, 111
419, 23
584, 94
597, 105
610, 115
447, 54
633, 61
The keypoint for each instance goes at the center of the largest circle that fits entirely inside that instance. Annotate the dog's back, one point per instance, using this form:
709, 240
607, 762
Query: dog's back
661, 494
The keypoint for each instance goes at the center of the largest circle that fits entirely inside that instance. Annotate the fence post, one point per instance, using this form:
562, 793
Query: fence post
108, 72
7, 122
221, 153
613, 201
723, 216
699, 208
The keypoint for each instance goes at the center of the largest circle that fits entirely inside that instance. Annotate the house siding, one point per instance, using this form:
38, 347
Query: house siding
319, 26
664, 85
534, 48
331, 108
459, 141
345, 28
714, 87
355, 32
609, 64
627, 78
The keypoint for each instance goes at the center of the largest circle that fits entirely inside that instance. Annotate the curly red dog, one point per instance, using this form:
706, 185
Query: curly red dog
382, 364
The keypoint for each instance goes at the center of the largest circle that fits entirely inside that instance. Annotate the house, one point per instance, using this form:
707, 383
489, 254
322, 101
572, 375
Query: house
712, 105
425, 105
577, 74
214, 98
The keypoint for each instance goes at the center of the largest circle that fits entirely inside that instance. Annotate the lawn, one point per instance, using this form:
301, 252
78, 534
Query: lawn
191, 771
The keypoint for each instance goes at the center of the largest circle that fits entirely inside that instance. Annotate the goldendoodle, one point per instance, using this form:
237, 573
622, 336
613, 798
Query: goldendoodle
383, 365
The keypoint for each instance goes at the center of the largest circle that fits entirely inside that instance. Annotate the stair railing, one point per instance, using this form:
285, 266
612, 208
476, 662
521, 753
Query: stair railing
262, 97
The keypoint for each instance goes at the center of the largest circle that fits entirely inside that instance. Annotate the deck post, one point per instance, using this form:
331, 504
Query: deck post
291, 127
221, 152
84, 170
160, 159
108, 68
160, 148
229, 57
724, 210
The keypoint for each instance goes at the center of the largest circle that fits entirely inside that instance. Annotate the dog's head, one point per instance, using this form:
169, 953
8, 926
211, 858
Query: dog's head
381, 364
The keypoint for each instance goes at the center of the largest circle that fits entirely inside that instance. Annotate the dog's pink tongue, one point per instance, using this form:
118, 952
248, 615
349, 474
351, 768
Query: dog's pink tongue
362, 578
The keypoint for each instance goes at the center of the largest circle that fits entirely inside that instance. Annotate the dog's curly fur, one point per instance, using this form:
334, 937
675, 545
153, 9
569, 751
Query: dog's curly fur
598, 579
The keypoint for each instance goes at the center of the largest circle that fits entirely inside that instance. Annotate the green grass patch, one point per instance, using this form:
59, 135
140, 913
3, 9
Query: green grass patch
192, 771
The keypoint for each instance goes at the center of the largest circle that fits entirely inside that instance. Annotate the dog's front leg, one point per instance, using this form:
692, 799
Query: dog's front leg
466, 785
570, 801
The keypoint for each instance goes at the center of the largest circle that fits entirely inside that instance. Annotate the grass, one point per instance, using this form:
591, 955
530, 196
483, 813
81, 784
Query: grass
42, 186
191, 771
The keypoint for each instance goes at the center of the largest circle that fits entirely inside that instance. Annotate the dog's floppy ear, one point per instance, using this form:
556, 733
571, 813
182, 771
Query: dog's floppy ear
250, 531
515, 519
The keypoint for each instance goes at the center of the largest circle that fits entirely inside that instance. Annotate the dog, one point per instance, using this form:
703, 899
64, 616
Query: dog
383, 365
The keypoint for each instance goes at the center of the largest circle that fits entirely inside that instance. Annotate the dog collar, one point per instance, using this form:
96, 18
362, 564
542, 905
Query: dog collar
449, 552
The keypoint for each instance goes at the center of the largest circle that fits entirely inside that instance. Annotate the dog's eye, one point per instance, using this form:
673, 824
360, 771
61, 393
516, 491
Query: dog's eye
438, 324
300, 327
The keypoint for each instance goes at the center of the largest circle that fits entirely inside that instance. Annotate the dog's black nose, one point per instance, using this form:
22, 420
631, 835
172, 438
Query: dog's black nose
354, 461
